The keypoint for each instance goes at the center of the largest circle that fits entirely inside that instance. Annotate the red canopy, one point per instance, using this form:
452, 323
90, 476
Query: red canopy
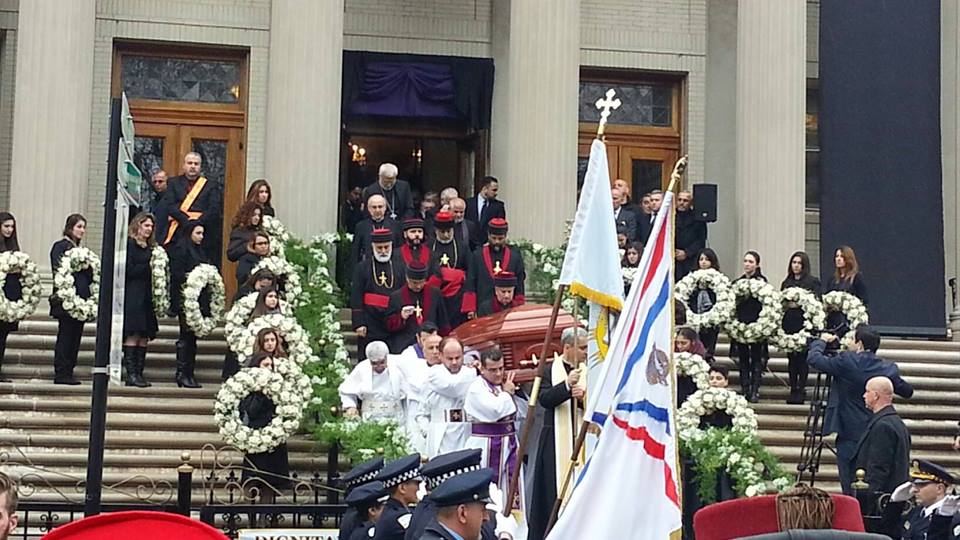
139, 525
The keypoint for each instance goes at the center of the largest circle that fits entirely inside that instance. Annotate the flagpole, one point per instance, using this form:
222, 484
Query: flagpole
514, 485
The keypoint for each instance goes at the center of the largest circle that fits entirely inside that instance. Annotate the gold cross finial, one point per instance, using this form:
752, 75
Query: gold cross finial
382, 279
605, 105
419, 311
444, 260
496, 268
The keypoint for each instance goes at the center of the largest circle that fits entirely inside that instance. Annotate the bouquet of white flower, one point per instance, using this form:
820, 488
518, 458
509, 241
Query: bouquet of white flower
709, 280
771, 312
695, 367
18, 262
201, 277
296, 338
278, 234
708, 400
851, 307
75, 260
160, 280
286, 272
813, 318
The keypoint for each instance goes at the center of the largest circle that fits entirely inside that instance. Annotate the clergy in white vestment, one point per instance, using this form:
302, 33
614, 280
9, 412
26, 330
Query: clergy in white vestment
415, 371
374, 390
442, 409
494, 411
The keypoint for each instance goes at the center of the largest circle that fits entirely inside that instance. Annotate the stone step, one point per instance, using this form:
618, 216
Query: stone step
115, 421
153, 373
160, 390
132, 441
153, 459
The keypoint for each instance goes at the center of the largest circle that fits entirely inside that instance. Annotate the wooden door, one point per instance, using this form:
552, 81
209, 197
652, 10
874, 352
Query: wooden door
645, 169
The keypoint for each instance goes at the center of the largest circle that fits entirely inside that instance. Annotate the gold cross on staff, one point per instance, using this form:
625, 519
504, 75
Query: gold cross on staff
605, 105
496, 268
419, 311
444, 260
382, 279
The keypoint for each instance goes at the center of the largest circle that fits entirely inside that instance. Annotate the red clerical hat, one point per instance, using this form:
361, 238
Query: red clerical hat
380, 236
413, 223
497, 226
505, 279
443, 220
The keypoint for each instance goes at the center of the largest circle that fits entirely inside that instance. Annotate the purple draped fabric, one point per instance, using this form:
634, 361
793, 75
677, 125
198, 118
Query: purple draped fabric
406, 89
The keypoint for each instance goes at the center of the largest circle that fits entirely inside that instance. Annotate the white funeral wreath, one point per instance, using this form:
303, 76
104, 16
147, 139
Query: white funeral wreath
201, 277
297, 339
160, 280
708, 400
286, 392
695, 367
18, 262
75, 260
278, 234
285, 271
813, 318
711, 280
238, 316
851, 307
771, 311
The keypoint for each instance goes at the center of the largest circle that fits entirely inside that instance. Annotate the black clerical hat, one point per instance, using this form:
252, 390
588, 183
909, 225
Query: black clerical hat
443, 220
505, 279
416, 270
927, 471
366, 494
363, 473
449, 465
413, 223
381, 236
464, 488
497, 226
399, 471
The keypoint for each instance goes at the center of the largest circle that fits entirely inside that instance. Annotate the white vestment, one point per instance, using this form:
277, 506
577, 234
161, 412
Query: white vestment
378, 396
414, 370
442, 409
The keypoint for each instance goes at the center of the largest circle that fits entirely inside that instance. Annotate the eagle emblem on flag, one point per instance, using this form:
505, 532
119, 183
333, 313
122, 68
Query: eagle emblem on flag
658, 366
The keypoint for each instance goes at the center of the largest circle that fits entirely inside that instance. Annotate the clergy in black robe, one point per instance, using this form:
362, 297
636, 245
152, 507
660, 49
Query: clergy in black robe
362, 237
414, 247
450, 258
396, 193
691, 236
504, 295
413, 304
488, 261
373, 281
192, 197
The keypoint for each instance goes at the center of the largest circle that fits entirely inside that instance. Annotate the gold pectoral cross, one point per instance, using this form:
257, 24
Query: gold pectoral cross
496, 268
418, 310
444, 260
382, 279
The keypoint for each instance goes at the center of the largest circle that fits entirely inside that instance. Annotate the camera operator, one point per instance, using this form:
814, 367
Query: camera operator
847, 415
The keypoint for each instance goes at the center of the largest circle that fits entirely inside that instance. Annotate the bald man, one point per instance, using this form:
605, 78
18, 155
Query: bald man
377, 207
884, 449
465, 231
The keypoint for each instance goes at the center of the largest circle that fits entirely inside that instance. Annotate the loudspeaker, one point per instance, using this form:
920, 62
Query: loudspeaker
705, 202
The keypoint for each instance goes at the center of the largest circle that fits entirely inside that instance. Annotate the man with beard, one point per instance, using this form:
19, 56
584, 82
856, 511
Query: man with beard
412, 305
396, 193
504, 295
450, 259
374, 279
464, 230
191, 197
413, 248
154, 204
8, 506
377, 206
488, 261
691, 236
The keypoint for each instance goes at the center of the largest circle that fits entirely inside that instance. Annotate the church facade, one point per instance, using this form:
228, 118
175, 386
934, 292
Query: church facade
450, 90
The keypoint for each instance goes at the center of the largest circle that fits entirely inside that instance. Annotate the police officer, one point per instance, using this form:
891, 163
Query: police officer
434, 473
401, 480
359, 475
368, 501
928, 485
461, 507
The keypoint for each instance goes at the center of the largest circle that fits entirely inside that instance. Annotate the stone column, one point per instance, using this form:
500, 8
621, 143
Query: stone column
534, 151
950, 144
51, 119
771, 90
303, 112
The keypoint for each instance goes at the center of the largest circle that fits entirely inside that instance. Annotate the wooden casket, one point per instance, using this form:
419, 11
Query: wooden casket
519, 333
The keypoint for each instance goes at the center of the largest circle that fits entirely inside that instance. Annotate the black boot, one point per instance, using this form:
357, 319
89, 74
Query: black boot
186, 358
129, 366
745, 379
141, 363
755, 382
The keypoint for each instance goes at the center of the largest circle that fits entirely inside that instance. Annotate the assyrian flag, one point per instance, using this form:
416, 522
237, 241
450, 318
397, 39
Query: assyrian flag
633, 472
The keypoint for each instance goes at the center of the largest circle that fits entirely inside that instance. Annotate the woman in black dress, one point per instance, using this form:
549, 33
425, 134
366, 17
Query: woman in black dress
265, 472
268, 303
687, 341
261, 193
846, 278
702, 300
259, 281
257, 248
752, 356
12, 286
139, 320
186, 255
69, 330
269, 343
245, 222
798, 275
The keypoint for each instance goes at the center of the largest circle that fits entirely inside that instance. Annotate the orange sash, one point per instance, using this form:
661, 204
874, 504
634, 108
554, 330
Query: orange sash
185, 208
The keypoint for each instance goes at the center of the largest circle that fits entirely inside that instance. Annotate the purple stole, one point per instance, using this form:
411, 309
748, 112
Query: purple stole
495, 432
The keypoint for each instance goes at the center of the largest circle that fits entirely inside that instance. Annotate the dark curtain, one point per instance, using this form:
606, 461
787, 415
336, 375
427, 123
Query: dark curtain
881, 176
409, 85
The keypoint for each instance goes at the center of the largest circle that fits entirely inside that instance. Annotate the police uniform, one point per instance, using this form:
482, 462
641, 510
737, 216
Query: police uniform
362, 499
396, 516
916, 526
359, 475
466, 488
434, 473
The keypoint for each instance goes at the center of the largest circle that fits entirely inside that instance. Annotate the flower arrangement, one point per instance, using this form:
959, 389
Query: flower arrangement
238, 316
706, 401
813, 317
710, 280
296, 338
287, 274
754, 470
695, 367
851, 307
18, 262
278, 234
160, 280
767, 323
76, 260
201, 277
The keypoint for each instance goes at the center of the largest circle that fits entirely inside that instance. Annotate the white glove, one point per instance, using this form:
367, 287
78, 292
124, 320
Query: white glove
950, 506
496, 499
506, 527
422, 491
902, 493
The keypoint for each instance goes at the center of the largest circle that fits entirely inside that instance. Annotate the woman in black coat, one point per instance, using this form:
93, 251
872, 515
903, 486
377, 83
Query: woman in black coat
139, 320
752, 356
245, 223
256, 283
261, 193
846, 278
798, 275
266, 471
12, 286
69, 330
186, 255
702, 300
257, 248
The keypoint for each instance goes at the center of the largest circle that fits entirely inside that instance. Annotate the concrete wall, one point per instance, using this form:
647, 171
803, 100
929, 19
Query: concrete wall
441, 27
8, 69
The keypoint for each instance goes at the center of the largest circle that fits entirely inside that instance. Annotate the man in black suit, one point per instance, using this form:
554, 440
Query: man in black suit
691, 236
624, 218
485, 206
465, 231
646, 220
396, 192
191, 197
847, 415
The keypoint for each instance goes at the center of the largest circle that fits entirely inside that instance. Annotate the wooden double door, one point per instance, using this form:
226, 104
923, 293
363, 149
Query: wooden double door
645, 166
